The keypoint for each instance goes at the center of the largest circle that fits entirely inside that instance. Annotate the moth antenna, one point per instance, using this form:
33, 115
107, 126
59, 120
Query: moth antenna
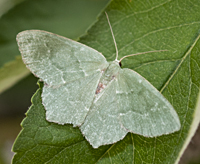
140, 54
112, 36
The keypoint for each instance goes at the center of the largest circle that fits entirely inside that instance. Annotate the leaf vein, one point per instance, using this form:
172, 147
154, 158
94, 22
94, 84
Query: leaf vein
179, 65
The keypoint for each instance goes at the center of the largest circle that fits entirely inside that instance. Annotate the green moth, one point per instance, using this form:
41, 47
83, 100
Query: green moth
102, 99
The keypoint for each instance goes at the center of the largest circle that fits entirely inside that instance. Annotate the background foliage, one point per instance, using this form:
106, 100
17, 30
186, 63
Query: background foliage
138, 26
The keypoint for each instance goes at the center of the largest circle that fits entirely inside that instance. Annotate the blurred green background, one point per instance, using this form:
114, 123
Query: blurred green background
69, 18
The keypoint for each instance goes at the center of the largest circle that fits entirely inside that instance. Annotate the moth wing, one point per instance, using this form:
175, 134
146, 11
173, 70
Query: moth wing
70, 70
70, 102
102, 126
58, 60
143, 109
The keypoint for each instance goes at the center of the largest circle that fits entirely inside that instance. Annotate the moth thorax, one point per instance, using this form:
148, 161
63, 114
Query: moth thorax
109, 75
112, 70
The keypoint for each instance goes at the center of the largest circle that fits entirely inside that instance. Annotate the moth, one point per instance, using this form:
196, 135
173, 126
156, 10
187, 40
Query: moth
102, 99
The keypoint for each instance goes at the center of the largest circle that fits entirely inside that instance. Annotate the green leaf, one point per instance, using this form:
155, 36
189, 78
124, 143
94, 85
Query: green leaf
62, 17
138, 26
11, 73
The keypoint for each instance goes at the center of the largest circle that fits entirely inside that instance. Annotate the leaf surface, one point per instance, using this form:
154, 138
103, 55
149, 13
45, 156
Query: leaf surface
138, 26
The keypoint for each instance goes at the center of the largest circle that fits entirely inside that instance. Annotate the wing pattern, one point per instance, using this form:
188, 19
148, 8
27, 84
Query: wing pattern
143, 110
70, 70
58, 60
129, 103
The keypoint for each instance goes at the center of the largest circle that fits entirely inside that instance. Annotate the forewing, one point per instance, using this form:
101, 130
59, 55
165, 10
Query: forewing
70, 70
102, 125
58, 60
143, 109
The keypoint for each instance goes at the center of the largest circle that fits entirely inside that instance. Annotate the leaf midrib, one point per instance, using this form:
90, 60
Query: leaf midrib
179, 65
